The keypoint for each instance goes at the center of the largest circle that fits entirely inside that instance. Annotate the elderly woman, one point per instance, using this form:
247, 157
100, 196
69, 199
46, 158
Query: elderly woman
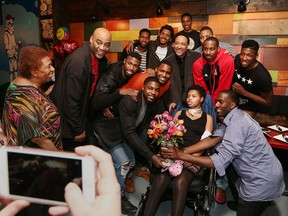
30, 118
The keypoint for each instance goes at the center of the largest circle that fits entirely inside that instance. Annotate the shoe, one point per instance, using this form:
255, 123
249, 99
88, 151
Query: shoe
220, 197
233, 205
129, 185
127, 207
143, 173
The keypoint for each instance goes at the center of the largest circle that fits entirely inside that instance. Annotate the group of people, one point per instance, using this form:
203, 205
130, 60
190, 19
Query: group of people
110, 105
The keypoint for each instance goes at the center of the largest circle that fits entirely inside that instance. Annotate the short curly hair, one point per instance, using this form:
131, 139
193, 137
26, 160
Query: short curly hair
30, 59
198, 88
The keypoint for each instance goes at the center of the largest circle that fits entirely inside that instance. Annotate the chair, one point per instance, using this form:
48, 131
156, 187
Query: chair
200, 196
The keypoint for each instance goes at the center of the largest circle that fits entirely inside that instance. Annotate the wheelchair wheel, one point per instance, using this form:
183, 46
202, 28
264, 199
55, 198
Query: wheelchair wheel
140, 210
142, 203
211, 187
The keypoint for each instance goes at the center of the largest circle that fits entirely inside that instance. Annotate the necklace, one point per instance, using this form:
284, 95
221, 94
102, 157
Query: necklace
194, 111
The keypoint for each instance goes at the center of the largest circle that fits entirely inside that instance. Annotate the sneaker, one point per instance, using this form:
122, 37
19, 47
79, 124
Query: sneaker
143, 173
220, 197
232, 205
129, 185
127, 207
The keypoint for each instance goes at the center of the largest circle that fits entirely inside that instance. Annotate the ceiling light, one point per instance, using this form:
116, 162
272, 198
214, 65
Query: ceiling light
242, 5
159, 11
167, 5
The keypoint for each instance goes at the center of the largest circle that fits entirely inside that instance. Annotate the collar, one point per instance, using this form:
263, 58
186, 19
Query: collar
228, 119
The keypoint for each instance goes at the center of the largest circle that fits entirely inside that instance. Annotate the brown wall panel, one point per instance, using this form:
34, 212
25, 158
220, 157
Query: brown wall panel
276, 58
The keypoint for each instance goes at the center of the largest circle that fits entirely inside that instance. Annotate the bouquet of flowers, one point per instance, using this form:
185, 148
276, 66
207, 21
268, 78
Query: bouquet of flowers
166, 130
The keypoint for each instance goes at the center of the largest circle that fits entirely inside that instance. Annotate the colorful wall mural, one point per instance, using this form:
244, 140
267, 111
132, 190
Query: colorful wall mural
24, 15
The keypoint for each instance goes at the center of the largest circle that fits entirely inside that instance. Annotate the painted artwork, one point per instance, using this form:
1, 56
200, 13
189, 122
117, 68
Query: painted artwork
20, 28
11, 47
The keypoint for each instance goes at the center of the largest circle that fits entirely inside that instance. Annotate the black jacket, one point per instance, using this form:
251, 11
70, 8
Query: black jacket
72, 89
123, 127
106, 92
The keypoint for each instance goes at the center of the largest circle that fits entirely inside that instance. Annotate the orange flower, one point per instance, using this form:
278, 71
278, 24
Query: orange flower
150, 133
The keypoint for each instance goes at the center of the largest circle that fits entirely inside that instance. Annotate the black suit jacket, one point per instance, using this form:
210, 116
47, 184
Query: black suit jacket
123, 127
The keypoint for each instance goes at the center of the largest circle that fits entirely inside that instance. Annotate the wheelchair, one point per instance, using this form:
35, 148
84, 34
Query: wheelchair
200, 197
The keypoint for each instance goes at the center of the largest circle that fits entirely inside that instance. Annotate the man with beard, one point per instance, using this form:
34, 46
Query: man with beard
125, 128
75, 86
141, 48
260, 174
107, 91
214, 70
163, 72
252, 81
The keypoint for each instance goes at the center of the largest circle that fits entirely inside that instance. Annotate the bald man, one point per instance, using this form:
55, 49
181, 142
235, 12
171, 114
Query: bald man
75, 86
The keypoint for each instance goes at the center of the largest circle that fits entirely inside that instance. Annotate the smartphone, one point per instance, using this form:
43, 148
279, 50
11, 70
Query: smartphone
40, 176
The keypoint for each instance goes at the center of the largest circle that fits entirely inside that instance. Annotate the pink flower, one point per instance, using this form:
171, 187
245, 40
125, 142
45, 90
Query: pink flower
181, 127
165, 114
167, 136
153, 123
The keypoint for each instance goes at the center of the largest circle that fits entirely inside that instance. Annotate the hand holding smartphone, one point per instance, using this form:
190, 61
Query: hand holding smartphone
40, 176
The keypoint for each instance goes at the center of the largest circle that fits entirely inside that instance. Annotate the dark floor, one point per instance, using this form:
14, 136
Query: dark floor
277, 208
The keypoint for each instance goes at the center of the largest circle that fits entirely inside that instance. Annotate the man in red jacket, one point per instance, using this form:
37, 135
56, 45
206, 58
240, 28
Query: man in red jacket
214, 70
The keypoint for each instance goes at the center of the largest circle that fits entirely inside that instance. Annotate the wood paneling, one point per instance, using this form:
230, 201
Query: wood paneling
263, 27
276, 58
230, 6
81, 11
221, 24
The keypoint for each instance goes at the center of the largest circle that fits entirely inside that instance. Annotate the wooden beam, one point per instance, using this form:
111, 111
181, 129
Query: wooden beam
136, 10
231, 6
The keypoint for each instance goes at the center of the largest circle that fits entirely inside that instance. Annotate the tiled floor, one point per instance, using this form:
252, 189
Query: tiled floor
277, 208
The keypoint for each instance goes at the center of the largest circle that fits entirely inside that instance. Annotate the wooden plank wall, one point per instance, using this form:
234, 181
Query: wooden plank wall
265, 21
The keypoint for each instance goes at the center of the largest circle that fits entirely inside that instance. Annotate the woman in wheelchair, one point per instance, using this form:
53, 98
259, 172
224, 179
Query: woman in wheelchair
198, 125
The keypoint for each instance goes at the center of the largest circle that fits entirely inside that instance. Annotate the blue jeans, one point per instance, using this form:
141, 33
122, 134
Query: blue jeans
124, 160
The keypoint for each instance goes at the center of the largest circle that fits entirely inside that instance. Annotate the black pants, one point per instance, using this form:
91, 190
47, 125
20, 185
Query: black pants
70, 144
252, 208
232, 177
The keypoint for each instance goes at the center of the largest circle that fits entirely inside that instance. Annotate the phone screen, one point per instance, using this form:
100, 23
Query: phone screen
41, 176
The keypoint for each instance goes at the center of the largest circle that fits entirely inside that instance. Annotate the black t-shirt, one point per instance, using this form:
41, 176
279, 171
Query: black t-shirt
256, 80
194, 39
195, 128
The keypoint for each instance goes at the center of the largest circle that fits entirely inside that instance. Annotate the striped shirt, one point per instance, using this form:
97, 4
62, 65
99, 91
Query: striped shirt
143, 58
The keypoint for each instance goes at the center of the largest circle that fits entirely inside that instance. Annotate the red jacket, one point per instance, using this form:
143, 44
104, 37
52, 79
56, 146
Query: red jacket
214, 76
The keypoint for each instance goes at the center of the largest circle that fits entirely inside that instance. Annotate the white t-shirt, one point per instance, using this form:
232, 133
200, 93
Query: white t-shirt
161, 52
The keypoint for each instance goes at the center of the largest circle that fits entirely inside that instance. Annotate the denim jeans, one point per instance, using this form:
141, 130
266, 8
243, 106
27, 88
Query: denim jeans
251, 208
121, 155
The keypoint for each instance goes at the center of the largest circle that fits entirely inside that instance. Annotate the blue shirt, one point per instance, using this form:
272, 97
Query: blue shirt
244, 145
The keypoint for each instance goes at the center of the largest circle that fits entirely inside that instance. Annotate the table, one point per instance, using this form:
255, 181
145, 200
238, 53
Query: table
274, 142
277, 144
